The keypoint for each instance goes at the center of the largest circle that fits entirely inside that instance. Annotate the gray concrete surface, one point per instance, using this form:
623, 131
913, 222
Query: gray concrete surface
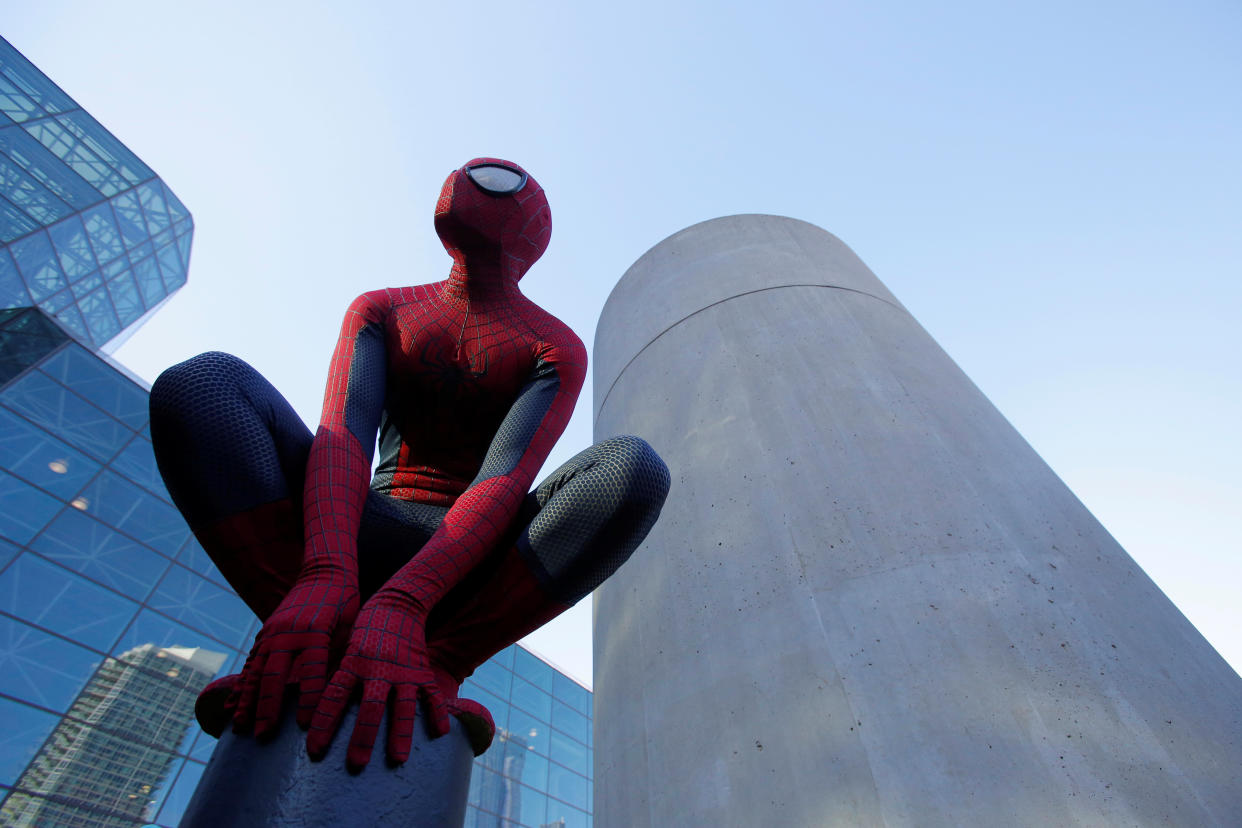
275, 783
868, 600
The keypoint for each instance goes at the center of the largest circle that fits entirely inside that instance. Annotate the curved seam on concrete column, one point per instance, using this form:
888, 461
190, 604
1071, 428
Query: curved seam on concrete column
721, 302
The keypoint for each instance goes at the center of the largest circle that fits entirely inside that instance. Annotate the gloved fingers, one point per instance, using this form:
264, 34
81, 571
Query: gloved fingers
309, 672
271, 693
370, 715
401, 718
247, 692
328, 713
437, 710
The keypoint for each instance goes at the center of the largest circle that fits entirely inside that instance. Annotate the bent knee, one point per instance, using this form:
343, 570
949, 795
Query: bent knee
199, 377
641, 472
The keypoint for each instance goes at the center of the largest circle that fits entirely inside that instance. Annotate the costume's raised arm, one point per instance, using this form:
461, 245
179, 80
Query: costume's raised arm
388, 650
295, 641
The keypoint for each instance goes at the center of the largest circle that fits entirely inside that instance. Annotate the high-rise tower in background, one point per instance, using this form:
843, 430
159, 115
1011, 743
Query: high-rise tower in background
869, 601
111, 615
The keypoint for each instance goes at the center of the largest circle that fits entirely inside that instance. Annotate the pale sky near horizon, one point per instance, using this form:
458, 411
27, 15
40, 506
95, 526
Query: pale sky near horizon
1052, 189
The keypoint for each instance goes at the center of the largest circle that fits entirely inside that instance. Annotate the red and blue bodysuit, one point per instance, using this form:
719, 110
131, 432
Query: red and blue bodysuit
405, 581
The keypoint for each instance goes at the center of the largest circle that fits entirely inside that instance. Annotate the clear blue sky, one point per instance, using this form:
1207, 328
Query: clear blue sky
1054, 189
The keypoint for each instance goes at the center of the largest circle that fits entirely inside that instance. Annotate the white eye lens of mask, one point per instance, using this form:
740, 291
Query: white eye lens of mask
496, 179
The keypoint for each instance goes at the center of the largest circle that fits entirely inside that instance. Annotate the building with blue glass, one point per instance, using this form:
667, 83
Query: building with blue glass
112, 618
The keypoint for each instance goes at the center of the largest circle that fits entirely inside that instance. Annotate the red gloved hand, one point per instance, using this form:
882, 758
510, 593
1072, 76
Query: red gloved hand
387, 655
294, 646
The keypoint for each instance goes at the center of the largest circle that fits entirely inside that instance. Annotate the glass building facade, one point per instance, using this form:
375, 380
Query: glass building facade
112, 618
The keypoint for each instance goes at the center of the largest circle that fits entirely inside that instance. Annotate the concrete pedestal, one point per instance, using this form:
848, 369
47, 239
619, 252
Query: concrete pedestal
868, 601
276, 783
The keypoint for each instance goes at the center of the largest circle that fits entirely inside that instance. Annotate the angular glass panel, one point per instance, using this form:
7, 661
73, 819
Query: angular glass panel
83, 160
16, 104
200, 604
71, 320
115, 267
568, 786
505, 657
14, 223
125, 299
23, 75
163, 237
40, 668
531, 699
58, 301
100, 316
152, 636
121, 504
150, 283
36, 456
129, 218
171, 267
204, 745
24, 731
104, 236
26, 336
86, 285
572, 693
137, 462
103, 144
179, 797
183, 247
25, 192
493, 677
92, 378
494, 794
72, 248
8, 551
522, 763
36, 260
151, 196
26, 509
52, 597
89, 547
47, 169
527, 727
530, 807
565, 718
52, 406
176, 210
13, 293
533, 669
571, 753
141, 250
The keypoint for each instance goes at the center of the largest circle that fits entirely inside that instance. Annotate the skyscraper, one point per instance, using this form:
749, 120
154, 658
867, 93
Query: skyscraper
111, 615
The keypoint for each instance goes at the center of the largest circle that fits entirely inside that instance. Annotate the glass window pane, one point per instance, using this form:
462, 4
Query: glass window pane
151, 196
119, 503
522, 763
531, 806
573, 818
41, 459
204, 745
493, 677
125, 298
171, 267
103, 233
73, 250
40, 668
150, 283
13, 293
66, 415
152, 634
570, 721
498, 708
129, 218
137, 462
529, 728
52, 597
14, 223
86, 285
89, 547
26, 509
196, 558
572, 693
37, 262
94, 379
100, 316
533, 669
571, 753
200, 604
8, 551
568, 786
531, 699
23, 733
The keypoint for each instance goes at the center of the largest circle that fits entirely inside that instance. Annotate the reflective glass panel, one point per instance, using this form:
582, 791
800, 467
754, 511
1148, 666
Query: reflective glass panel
41, 668
104, 235
498, 708
26, 509
137, 462
129, 218
493, 677
125, 298
14, 223
531, 806
13, 293
121, 504
523, 763
196, 558
527, 727
572, 693
87, 546
52, 597
37, 262
92, 378
568, 786
86, 285
36, 456
150, 283
152, 636
179, 797
73, 250
571, 753
532, 699
573, 818
533, 669
570, 721
151, 196
8, 551
200, 604
171, 267
23, 733
100, 316
67, 415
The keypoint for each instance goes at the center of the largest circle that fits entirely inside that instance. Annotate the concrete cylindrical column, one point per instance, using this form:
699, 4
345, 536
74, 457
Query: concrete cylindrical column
868, 600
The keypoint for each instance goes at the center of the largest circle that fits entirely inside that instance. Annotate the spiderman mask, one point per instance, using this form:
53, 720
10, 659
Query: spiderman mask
492, 216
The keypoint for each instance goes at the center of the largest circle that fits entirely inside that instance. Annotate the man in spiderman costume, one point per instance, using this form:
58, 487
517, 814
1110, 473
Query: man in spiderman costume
406, 581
